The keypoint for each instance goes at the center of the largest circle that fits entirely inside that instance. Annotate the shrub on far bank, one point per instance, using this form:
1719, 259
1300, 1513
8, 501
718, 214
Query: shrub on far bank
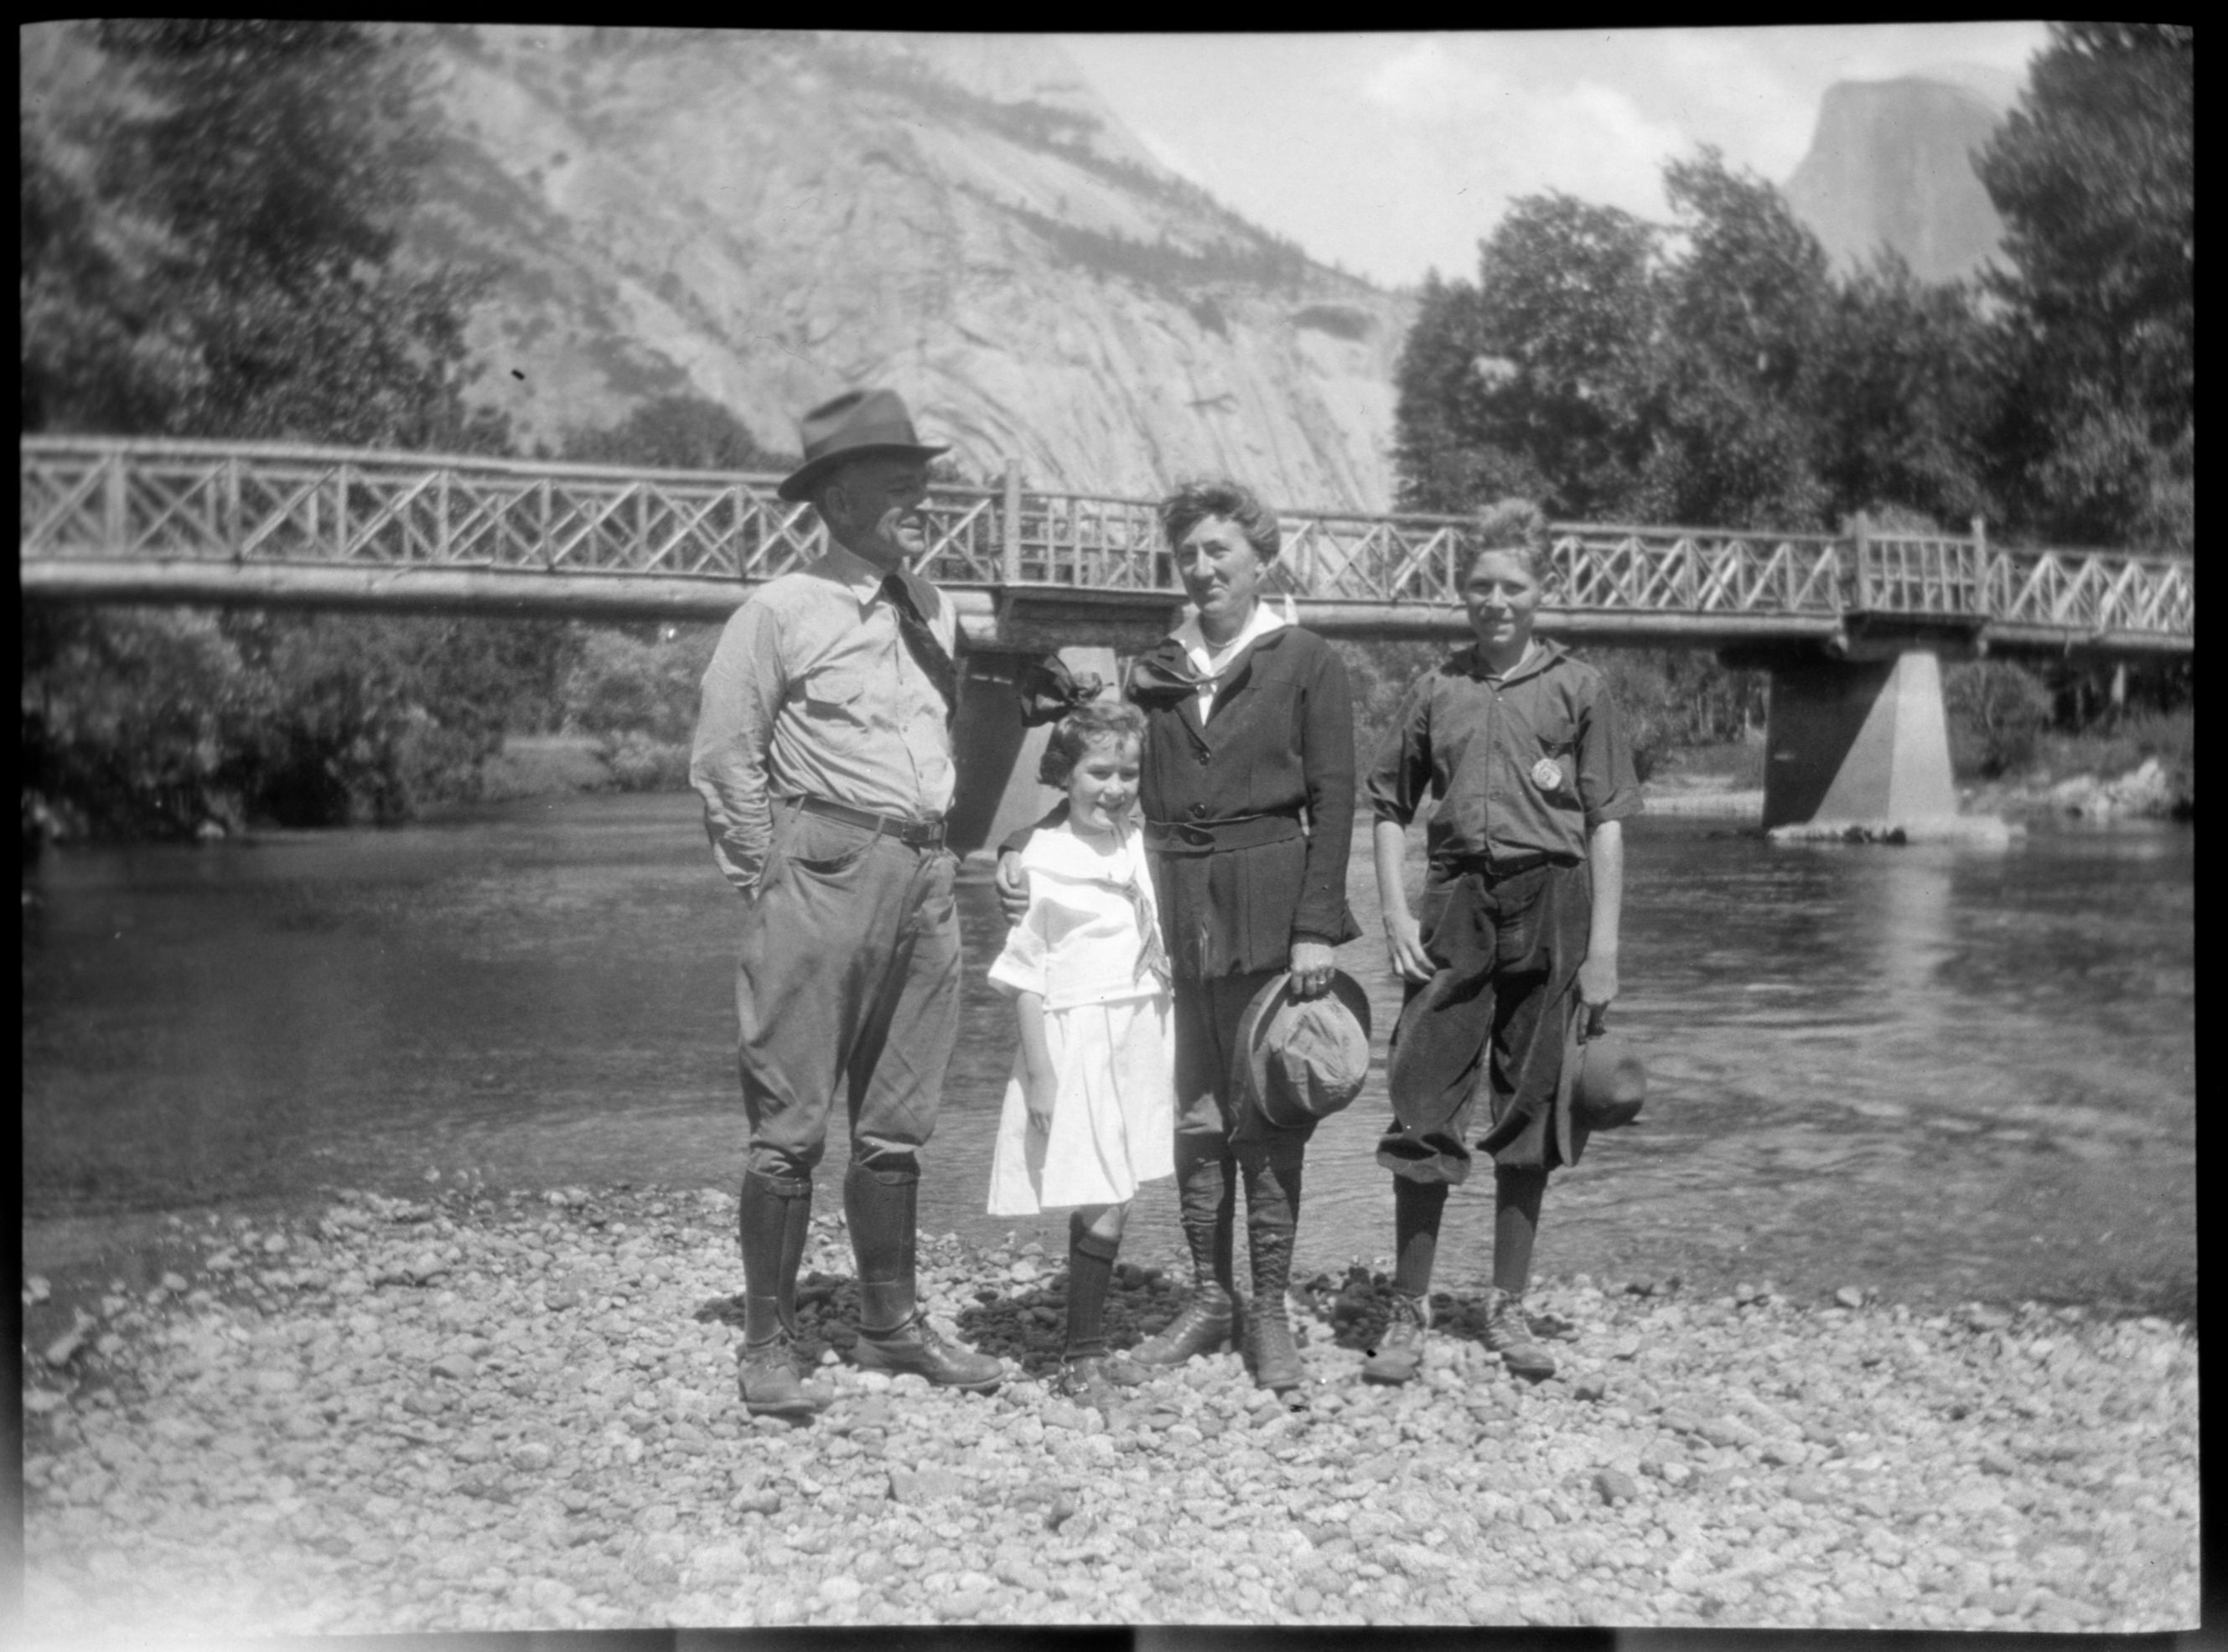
635, 679
2007, 719
638, 763
2169, 736
146, 722
1996, 709
1735, 766
135, 723
635, 688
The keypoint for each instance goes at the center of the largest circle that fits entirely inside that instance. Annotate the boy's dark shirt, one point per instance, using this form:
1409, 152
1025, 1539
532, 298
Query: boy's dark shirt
1490, 748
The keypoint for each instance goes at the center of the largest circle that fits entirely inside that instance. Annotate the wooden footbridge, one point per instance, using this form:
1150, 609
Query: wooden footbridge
1852, 628
177, 522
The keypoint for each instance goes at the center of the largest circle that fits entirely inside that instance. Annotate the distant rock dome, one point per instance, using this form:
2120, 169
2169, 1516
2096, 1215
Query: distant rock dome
1890, 164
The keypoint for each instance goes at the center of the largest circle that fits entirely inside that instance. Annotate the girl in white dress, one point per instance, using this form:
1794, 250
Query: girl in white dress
1090, 1111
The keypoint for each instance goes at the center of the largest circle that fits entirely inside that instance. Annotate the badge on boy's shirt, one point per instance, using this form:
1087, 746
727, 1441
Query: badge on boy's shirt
1548, 774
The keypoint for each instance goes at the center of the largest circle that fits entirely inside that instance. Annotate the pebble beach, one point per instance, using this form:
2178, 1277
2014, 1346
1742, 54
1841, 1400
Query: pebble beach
517, 1412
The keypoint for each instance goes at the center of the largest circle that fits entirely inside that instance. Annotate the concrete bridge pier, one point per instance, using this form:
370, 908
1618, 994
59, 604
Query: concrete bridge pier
1858, 742
997, 757
1856, 738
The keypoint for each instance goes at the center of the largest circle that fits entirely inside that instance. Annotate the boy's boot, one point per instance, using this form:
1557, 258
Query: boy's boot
770, 1369
1399, 1351
1206, 1190
894, 1336
1272, 1209
1416, 1208
1508, 1333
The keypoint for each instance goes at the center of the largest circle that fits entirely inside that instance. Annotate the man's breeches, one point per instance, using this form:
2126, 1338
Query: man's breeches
849, 990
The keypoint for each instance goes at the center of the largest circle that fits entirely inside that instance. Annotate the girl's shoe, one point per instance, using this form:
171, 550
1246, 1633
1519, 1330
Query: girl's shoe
1508, 1333
1123, 1372
1088, 1381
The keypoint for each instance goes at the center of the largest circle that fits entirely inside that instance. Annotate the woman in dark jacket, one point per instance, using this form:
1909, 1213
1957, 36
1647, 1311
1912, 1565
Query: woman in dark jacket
1248, 793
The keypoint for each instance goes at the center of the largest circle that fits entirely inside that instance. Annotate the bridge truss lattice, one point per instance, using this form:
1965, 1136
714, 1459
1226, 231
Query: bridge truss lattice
226, 521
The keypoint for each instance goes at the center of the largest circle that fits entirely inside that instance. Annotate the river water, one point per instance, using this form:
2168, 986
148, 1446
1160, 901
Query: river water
1942, 1072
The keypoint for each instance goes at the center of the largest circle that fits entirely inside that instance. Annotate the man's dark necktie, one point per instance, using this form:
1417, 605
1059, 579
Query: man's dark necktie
920, 642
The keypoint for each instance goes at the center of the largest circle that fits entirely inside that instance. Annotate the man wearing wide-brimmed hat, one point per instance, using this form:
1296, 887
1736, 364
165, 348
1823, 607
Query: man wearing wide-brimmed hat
823, 755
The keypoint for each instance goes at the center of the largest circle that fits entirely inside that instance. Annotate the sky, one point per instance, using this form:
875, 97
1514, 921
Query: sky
1393, 154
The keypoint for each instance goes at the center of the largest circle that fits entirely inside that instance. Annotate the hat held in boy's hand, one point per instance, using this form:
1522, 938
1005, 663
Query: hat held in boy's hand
1608, 1080
1304, 1059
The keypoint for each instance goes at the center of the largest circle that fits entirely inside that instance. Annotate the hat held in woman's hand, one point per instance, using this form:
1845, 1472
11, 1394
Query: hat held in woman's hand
1304, 1058
1610, 1081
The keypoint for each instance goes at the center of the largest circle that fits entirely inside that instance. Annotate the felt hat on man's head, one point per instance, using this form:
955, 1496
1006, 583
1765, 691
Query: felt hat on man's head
856, 425
1304, 1058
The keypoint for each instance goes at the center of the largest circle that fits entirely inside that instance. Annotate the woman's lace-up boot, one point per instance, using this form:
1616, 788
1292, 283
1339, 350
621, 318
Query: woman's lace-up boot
1206, 1190
1273, 1210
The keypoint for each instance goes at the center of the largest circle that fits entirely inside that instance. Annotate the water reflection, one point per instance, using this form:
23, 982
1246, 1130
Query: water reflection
1958, 1071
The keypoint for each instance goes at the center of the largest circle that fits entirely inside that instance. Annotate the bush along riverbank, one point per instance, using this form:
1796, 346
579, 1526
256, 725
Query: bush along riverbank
484, 1413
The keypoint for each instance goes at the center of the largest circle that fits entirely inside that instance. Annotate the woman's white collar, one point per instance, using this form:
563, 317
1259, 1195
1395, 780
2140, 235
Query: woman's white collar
1264, 619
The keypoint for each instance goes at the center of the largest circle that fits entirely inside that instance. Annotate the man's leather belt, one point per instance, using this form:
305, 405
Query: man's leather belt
913, 833
1213, 836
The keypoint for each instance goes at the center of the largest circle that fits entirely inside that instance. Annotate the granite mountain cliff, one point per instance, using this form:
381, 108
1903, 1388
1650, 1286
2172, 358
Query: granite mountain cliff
763, 218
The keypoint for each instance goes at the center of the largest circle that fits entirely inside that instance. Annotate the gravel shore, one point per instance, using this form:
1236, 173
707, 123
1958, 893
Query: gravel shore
476, 1413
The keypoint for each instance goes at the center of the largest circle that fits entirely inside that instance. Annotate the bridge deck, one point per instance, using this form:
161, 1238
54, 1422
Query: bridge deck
111, 520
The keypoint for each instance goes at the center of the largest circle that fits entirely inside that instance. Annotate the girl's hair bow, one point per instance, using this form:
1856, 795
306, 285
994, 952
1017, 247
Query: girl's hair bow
1048, 690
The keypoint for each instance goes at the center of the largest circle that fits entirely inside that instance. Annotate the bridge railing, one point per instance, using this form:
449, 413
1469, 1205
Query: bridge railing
1095, 541
2093, 592
246, 503
1938, 575
1701, 570
106, 498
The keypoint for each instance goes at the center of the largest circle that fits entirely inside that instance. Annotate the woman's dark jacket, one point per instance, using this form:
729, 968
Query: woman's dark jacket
1238, 880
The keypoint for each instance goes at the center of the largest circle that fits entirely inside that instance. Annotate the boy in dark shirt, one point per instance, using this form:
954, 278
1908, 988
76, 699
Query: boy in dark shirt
1519, 916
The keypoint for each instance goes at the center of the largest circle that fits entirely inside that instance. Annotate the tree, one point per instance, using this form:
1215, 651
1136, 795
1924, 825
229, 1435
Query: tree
1568, 317
676, 433
1444, 447
1903, 394
1744, 300
2095, 177
1530, 382
134, 721
214, 249
1606, 368
213, 246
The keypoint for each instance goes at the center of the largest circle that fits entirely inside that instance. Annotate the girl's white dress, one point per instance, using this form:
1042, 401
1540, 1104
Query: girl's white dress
1082, 944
